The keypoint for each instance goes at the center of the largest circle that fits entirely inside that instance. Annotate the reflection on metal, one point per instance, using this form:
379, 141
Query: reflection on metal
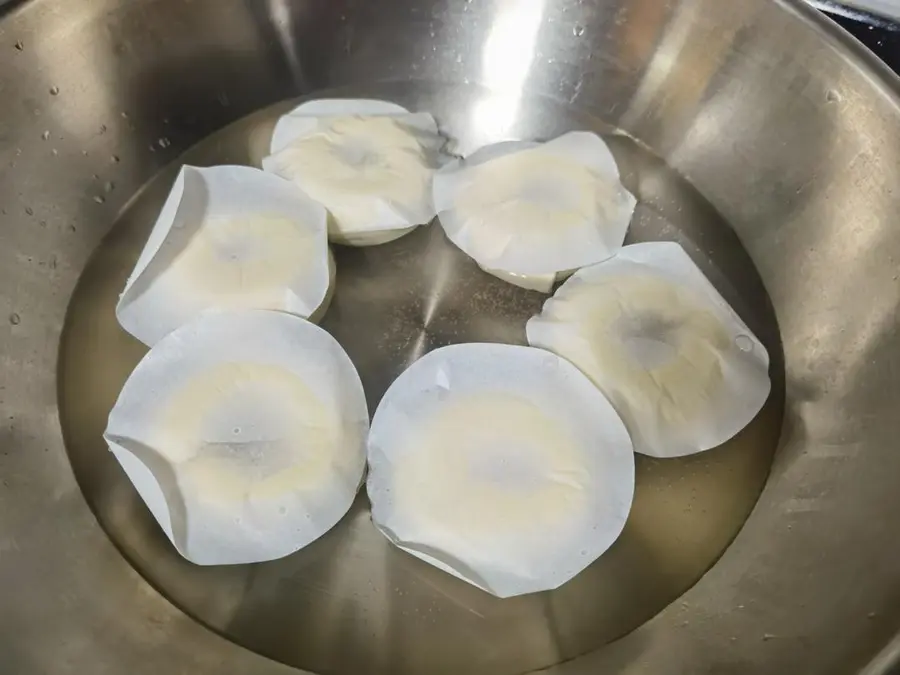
881, 13
282, 24
506, 60
680, 72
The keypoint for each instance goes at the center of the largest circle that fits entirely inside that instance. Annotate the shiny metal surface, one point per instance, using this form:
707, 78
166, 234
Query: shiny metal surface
790, 133
380, 610
890, 9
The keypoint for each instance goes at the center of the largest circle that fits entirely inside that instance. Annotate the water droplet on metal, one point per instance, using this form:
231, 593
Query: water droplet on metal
110, 186
116, 159
54, 91
45, 136
102, 128
124, 115
100, 199
578, 30
164, 142
29, 210
15, 319
54, 152
20, 46
832, 96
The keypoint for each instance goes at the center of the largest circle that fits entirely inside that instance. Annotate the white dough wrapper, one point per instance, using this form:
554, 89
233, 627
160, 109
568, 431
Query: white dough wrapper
502, 465
684, 372
244, 434
228, 238
370, 163
543, 283
536, 210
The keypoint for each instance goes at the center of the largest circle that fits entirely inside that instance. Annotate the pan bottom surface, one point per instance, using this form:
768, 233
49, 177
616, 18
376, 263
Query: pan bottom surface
350, 603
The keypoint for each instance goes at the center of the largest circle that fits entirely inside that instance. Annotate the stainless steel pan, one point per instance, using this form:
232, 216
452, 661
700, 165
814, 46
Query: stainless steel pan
755, 133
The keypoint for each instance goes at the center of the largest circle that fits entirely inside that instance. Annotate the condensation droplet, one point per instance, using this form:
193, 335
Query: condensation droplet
744, 343
20, 46
109, 187
45, 136
832, 96
15, 319
164, 142
100, 199
578, 30
54, 91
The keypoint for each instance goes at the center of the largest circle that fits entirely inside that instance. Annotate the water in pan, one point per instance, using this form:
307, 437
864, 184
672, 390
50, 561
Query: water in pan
350, 603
